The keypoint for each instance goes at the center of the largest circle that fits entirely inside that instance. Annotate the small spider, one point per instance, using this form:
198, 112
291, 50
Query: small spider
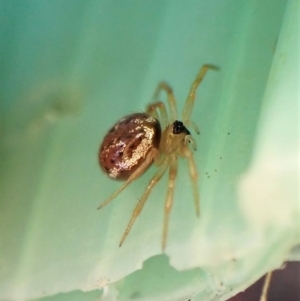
136, 141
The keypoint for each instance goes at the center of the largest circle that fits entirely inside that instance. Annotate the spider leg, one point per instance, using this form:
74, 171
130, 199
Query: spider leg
157, 176
189, 139
188, 107
187, 153
152, 154
171, 99
151, 110
193, 125
169, 199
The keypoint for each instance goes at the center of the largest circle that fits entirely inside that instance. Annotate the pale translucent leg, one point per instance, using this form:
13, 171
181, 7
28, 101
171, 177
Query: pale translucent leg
186, 152
160, 172
189, 139
264, 293
164, 121
188, 107
169, 199
149, 159
151, 110
171, 99
193, 125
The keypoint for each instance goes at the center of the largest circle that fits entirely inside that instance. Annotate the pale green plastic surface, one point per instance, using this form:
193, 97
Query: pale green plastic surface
69, 70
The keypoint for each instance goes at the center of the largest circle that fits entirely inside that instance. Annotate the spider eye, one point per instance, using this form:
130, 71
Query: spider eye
179, 128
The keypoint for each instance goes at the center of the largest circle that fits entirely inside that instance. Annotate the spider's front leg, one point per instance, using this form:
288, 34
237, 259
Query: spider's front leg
171, 99
151, 110
189, 103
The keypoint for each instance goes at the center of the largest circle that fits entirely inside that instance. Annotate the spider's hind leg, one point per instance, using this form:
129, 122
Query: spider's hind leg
187, 153
155, 179
139, 171
169, 199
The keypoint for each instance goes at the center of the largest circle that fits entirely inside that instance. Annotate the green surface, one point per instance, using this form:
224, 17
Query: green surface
69, 70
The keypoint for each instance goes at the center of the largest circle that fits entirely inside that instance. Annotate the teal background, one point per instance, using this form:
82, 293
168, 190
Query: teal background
69, 70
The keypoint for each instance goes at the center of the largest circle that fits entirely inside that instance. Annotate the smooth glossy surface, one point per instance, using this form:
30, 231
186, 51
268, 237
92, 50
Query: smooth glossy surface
127, 144
53, 238
130, 147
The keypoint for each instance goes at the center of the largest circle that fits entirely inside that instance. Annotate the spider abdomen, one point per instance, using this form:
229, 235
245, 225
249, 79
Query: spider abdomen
127, 144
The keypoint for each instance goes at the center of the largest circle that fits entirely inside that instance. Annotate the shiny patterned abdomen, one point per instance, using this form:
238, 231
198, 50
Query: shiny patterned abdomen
127, 144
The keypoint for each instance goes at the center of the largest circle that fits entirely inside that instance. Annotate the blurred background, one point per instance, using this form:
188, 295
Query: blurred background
69, 70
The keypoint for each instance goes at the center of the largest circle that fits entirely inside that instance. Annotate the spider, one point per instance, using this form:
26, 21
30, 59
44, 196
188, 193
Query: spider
137, 141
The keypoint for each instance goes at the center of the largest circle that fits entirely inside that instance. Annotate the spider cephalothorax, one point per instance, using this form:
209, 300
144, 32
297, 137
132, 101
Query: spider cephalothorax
179, 128
138, 140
